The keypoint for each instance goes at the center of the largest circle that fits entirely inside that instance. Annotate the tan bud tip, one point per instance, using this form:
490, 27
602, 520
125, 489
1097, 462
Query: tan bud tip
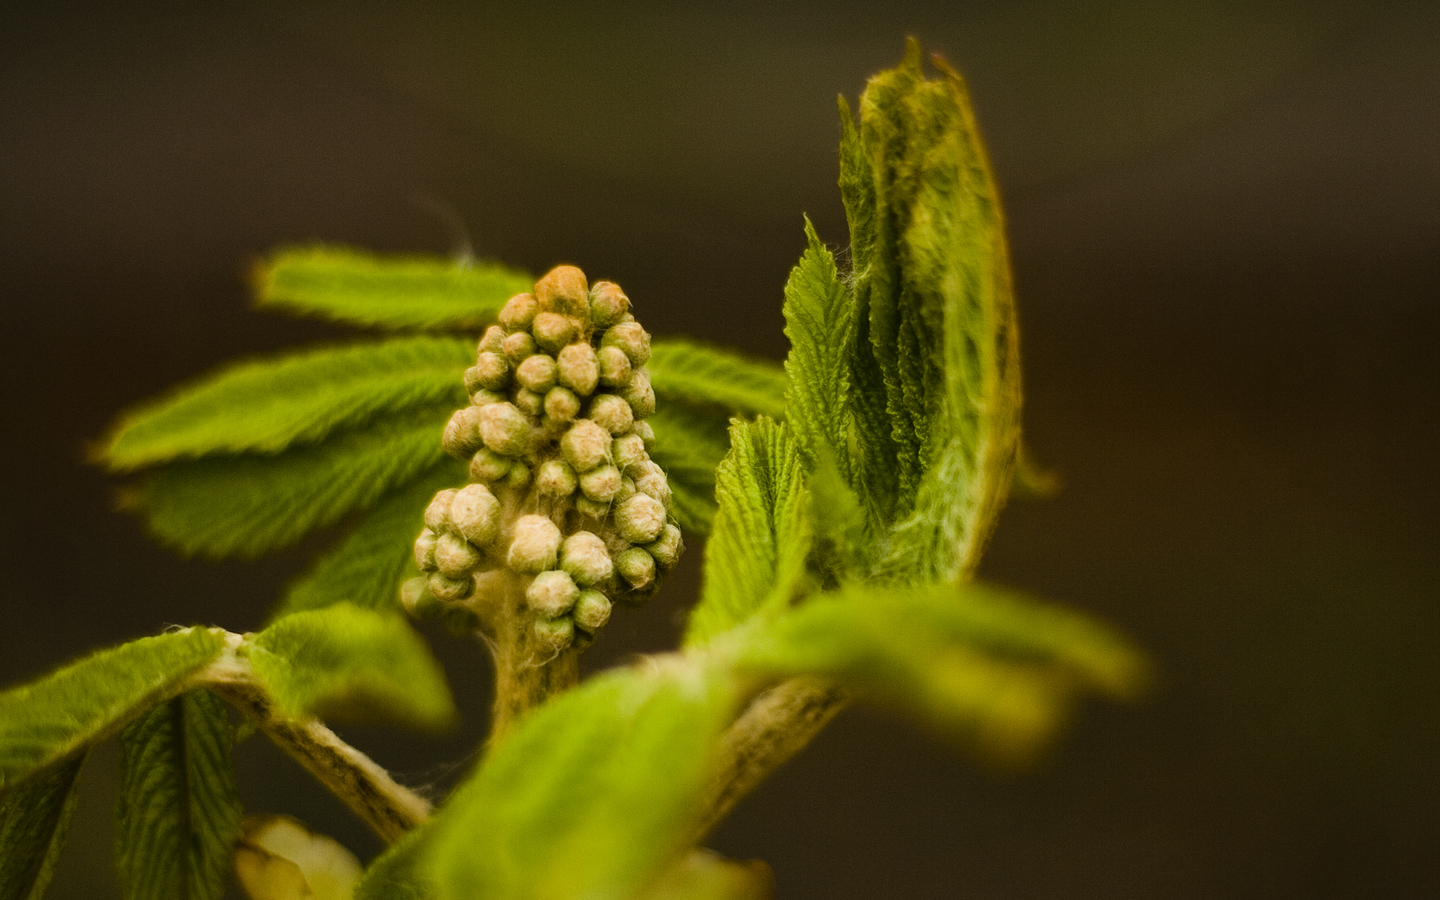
601, 483
529, 402
505, 429
492, 372
650, 479
591, 611
637, 567
535, 546
518, 347
639, 394
487, 465
607, 304
437, 514
462, 436
475, 513
645, 433
612, 413
561, 404
667, 547
628, 451
631, 338
578, 369
454, 556
492, 340
554, 330
425, 551
564, 290
585, 446
537, 372
555, 478
640, 519
519, 311
450, 589
584, 557
614, 366
551, 594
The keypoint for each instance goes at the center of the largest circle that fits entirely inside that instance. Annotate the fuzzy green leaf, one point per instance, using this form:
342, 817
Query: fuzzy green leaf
367, 567
89, 700
689, 444
248, 505
818, 320
756, 554
594, 795
386, 291
401, 873
267, 405
990, 666
351, 663
34, 816
179, 814
693, 372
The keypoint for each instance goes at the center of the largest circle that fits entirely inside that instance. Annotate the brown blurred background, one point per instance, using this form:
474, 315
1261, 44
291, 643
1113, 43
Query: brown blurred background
1224, 220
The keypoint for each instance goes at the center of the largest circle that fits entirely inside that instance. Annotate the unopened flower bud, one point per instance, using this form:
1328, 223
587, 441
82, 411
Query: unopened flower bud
636, 566
535, 546
485, 397
627, 451
537, 372
529, 402
584, 557
505, 429
591, 611
614, 366
577, 368
645, 433
557, 634
487, 465
639, 394
437, 514
492, 371
425, 551
651, 480
555, 478
607, 304
418, 600
461, 436
612, 413
564, 290
667, 547
450, 589
518, 312
561, 404
631, 338
595, 509
601, 483
553, 330
519, 347
454, 556
626, 490
640, 519
551, 594
586, 445
475, 513
492, 341
519, 475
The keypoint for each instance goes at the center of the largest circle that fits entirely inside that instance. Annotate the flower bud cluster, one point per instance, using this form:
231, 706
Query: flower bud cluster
563, 491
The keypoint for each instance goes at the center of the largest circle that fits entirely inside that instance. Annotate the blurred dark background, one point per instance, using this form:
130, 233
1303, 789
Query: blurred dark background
1224, 219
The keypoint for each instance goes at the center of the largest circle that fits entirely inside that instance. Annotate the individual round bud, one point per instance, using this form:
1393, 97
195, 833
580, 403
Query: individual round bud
636, 566
555, 478
425, 551
645, 433
557, 634
437, 514
553, 330
461, 436
614, 366
417, 598
487, 465
551, 594
519, 475
492, 371
505, 429
475, 513
561, 404
584, 557
537, 372
564, 290
529, 402
485, 397
640, 519
627, 451
518, 312
639, 394
626, 490
472, 380
595, 509
667, 547
518, 347
651, 480
591, 611
631, 338
577, 368
607, 304
612, 413
454, 556
492, 341
601, 483
586, 445
535, 546
450, 589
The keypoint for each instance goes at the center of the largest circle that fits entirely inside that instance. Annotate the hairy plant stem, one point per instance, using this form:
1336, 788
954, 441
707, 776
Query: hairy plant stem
388, 807
527, 671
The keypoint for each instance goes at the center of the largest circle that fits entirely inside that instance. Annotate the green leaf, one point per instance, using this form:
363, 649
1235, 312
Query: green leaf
698, 373
367, 567
387, 291
179, 815
268, 405
352, 663
818, 320
46, 721
595, 794
34, 816
689, 444
248, 505
993, 667
400, 873
756, 554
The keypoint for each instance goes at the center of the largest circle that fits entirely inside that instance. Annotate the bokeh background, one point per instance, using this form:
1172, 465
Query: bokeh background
1224, 219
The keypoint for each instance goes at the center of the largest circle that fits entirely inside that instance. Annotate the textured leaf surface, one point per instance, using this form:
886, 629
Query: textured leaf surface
34, 816
268, 405
993, 667
47, 720
367, 567
757, 551
251, 504
689, 444
595, 793
387, 291
700, 373
348, 662
401, 873
179, 814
